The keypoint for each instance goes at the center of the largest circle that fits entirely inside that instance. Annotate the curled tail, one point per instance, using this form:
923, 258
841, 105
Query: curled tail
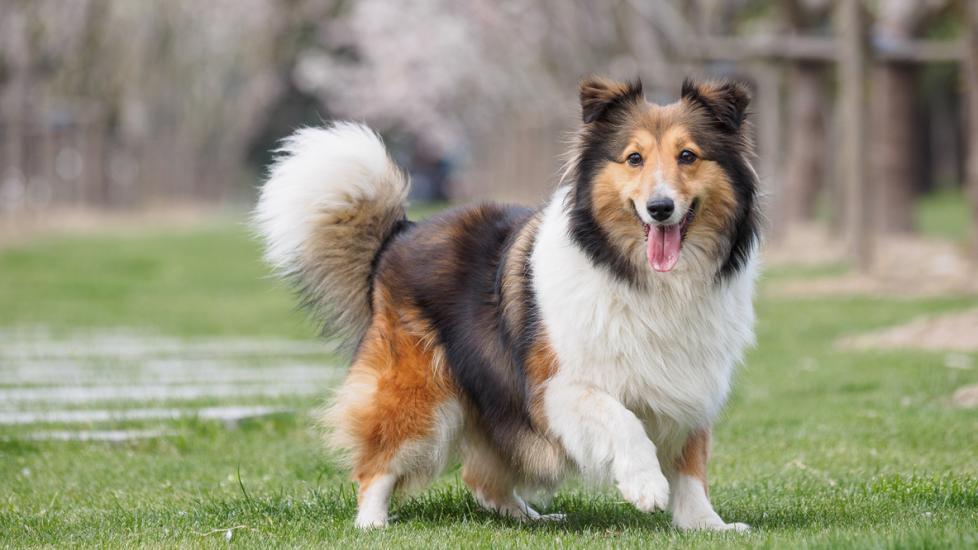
333, 197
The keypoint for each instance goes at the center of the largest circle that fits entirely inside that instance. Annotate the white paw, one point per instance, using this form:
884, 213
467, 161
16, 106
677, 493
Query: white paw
647, 491
370, 521
736, 527
717, 525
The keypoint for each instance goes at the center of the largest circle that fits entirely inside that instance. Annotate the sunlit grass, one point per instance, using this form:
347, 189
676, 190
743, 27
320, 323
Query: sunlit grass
818, 447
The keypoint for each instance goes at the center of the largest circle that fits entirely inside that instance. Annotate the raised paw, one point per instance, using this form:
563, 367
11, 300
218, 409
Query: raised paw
647, 491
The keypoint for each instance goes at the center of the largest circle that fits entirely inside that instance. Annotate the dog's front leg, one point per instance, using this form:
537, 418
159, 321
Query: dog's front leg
690, 504
603, 437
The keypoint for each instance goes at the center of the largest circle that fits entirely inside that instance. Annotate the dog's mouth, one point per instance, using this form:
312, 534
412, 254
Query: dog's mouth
664, 242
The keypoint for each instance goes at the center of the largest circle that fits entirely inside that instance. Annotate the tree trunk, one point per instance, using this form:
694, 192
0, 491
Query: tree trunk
806, 127
807, 153
769, 131
893, 127
971, 76
894, 149
15, 105
852, 73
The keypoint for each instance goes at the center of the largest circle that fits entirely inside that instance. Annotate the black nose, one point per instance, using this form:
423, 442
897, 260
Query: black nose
660, 209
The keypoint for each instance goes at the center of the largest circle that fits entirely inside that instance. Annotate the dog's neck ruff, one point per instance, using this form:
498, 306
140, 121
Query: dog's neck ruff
667, 347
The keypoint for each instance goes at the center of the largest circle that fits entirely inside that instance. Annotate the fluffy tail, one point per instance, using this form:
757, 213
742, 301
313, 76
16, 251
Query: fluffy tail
332, 198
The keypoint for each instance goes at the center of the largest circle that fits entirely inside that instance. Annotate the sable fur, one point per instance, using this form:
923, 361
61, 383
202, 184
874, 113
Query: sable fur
538, 342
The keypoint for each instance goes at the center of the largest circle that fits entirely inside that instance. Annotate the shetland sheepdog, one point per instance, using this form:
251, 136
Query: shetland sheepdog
596, 335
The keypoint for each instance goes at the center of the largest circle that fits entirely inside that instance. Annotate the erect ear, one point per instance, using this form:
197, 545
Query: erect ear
599, 96
725, 102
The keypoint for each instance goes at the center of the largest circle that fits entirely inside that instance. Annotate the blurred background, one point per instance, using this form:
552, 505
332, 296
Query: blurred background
861, 108
156, 382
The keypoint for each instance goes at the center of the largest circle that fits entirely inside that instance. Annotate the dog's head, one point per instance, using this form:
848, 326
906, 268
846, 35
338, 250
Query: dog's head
663, 187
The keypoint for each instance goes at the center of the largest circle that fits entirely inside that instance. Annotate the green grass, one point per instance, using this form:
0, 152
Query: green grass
817, 448
206, 281
944, 214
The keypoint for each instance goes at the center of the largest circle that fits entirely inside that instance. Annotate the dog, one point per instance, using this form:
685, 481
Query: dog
596, 335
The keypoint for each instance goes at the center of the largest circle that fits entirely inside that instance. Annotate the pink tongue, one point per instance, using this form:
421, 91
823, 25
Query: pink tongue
663, 246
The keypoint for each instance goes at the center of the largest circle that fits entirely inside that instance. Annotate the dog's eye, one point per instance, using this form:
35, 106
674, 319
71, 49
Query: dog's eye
634, 159
687, 157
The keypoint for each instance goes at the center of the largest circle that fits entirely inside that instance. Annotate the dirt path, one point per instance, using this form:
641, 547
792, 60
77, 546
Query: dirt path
20, 228
905, 266
952, 332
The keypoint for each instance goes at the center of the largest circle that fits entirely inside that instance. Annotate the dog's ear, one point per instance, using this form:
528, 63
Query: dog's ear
725, 102
600, 96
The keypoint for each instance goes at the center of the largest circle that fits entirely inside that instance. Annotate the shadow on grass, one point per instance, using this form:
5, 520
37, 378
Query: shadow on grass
448, 506
18, 447
879, 502
437, 507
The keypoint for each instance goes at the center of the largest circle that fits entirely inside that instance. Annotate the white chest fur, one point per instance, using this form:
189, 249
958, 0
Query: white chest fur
668, 349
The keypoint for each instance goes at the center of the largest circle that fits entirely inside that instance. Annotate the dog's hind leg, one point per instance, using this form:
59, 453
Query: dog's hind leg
396, 414
492, 480
373, 500
406, 465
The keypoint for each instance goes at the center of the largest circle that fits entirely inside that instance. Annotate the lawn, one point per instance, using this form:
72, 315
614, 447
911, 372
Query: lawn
817, 448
